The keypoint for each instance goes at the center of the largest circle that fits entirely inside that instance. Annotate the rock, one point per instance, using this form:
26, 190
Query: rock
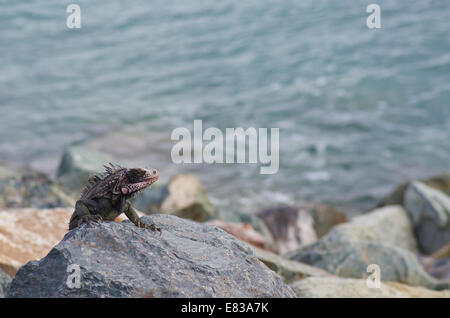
26, 188
388, 226
429, 210
289, 270
440, 269
28, 234
351, 259
254, 221
443, 252
337, 287
78, 163
290, 227
325, 216
121, 260
348, 249
441, 183
4, 282
243, 231
150, 201
123, 217
293, 227
438, 265
188, 199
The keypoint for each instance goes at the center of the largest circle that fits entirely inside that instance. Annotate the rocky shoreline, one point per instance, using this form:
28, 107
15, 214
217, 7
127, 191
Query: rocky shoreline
307, 250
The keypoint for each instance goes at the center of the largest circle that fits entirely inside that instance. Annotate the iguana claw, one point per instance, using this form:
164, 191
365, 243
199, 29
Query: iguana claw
89, 219
152, 227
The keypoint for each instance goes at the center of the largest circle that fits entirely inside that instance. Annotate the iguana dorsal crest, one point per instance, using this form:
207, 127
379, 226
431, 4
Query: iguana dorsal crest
104, 181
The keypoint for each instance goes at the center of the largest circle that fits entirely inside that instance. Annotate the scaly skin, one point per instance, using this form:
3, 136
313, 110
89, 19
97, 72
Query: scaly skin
107, 195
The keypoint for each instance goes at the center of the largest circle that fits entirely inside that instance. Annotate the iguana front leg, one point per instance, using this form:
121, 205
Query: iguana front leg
82, 213
131, 213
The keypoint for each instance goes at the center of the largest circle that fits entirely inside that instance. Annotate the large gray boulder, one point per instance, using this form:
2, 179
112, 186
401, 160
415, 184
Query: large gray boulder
383, 237
429, 210
4, 282
121, 260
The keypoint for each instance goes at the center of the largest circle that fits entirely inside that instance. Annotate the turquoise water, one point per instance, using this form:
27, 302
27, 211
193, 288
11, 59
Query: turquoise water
359, 110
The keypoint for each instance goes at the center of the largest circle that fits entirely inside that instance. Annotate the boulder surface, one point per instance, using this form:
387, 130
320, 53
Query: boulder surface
243, 231
383, 237
289, 270
27, 188
188, 199
429, 210
290, 227
29, 234
4, 281
389, 225
121, 260
338, 287
397, 196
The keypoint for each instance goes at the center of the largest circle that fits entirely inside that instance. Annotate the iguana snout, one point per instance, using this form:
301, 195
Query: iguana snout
138, 179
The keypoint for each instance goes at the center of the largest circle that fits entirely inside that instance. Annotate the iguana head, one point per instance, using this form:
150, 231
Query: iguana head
119, 181
136, 180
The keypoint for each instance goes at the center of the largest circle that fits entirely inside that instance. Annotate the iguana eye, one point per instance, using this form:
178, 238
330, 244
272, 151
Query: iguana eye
154, 171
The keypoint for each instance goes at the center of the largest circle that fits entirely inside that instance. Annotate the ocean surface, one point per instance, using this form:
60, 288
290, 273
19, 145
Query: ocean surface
359, 110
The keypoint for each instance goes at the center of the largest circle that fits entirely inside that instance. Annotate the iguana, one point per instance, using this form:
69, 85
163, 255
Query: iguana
106, 195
